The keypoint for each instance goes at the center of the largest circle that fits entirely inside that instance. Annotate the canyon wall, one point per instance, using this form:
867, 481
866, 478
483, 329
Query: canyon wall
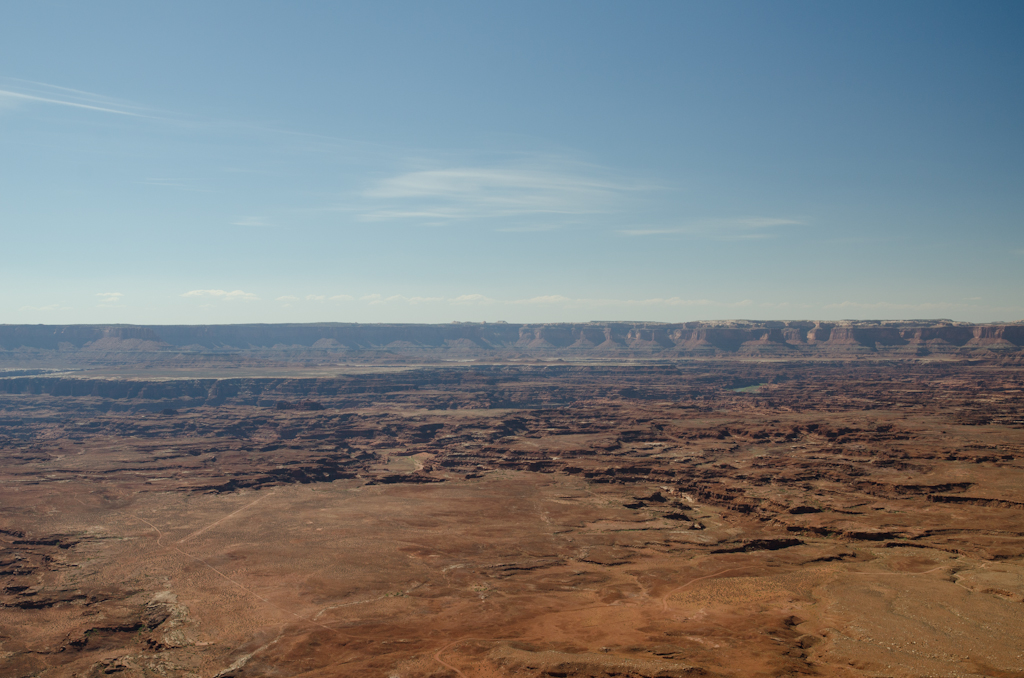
691, 339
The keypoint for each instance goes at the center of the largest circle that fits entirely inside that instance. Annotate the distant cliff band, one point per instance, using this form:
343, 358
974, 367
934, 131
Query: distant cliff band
767, 338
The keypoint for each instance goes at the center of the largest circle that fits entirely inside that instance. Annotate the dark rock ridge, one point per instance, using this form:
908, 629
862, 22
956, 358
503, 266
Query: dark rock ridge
782, 338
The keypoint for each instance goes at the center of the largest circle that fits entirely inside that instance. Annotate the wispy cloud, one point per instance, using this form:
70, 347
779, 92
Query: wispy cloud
530, 228
783, 305
547, 299
319, 298
18, 95
251, 221
17, 91
376, 299
234, 295
543, 190
762, 222
109, 299
471, 299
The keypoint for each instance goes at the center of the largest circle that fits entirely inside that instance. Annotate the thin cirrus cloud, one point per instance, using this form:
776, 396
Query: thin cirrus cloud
547, 299
16, 92
255, 222
377, 299
315, 297
471, 299
234, 295
550, 191
109, 299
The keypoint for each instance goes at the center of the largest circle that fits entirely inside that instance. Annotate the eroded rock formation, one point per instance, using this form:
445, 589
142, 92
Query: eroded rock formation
692, 339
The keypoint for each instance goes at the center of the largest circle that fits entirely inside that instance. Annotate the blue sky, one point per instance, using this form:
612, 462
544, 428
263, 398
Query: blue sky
206, 162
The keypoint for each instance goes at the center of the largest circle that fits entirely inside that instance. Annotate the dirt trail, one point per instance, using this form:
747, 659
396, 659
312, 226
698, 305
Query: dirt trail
252, 593
664, 598
437, 655
220, 520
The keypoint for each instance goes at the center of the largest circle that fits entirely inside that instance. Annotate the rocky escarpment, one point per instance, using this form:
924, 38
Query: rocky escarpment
691, 339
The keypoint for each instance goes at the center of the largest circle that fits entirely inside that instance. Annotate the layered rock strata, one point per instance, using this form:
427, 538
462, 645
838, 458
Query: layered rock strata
691, 339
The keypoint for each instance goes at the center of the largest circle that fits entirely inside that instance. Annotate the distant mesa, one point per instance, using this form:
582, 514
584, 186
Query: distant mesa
804, 338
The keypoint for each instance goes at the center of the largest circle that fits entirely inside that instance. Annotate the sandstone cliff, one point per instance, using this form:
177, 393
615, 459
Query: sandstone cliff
669, 340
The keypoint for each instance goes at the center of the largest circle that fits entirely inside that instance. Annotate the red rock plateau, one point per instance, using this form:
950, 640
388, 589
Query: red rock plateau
727, 499
104, 343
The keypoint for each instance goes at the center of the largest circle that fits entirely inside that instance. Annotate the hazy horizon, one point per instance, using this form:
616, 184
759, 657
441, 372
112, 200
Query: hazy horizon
626, 321
227, 163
